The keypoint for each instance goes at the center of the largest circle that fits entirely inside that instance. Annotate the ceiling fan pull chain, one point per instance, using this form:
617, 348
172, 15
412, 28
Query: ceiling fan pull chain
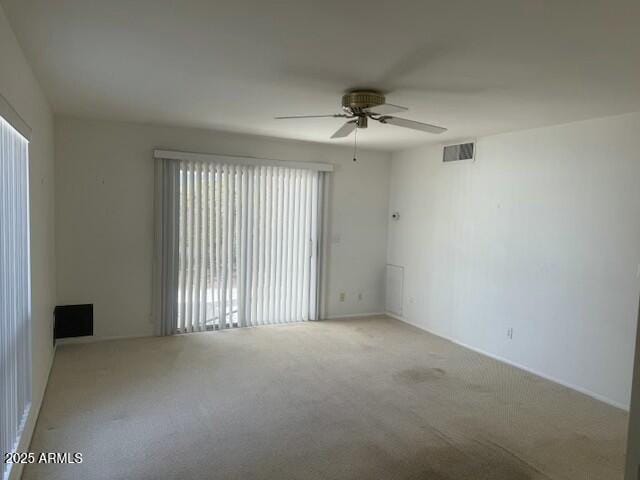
355, 145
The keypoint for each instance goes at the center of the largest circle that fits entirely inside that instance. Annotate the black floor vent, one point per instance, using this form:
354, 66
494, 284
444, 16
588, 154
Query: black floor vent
73, 321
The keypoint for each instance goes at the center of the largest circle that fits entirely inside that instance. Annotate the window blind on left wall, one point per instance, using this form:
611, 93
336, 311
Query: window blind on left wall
15, 289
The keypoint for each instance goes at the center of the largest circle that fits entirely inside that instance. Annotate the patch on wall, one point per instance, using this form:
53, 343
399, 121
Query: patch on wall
394, 289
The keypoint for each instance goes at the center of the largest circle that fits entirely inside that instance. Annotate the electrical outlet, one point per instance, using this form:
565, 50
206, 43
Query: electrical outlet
510, 333
343, 296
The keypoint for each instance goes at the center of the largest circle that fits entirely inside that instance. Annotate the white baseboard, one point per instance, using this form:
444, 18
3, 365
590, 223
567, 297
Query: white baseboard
577, 388
94, 339
353, 315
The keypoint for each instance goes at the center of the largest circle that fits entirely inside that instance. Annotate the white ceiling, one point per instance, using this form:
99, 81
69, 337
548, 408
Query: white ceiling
476, 67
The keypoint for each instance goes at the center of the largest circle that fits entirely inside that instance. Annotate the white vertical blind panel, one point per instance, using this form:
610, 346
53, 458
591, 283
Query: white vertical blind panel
247, 245
267, 297
313, 272
15, 289
286, 238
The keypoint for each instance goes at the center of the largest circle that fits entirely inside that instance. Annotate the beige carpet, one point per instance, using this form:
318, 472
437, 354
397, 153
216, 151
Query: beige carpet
365, 398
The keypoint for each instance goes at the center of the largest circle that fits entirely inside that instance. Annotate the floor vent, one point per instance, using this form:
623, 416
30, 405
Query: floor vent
460, 151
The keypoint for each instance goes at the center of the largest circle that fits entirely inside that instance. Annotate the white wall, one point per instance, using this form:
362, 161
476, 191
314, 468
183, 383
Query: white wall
104, 215
633, 437
540, 234
20, 88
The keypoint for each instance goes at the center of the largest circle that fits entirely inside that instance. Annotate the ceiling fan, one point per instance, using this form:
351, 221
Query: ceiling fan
361, 105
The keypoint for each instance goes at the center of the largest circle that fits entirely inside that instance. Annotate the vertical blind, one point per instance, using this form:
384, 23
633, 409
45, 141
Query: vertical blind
238, 245
15, 297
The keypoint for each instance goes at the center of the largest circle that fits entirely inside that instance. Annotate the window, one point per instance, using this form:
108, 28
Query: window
239, 244
15, 288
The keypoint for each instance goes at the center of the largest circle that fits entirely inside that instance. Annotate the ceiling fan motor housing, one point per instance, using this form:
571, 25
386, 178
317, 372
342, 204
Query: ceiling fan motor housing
358, 100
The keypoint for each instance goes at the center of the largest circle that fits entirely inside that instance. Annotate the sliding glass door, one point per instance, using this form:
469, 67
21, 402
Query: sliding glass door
241, 244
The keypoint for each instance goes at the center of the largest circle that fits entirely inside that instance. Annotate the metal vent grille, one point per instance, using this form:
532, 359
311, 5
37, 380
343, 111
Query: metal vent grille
461, 151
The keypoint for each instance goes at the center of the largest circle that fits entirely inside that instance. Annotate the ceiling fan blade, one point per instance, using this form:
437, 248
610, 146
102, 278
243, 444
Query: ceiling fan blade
386, 109
335, 115
345, 129
403, 122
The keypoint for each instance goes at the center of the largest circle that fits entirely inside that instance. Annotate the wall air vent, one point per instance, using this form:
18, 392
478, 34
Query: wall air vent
460, 151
